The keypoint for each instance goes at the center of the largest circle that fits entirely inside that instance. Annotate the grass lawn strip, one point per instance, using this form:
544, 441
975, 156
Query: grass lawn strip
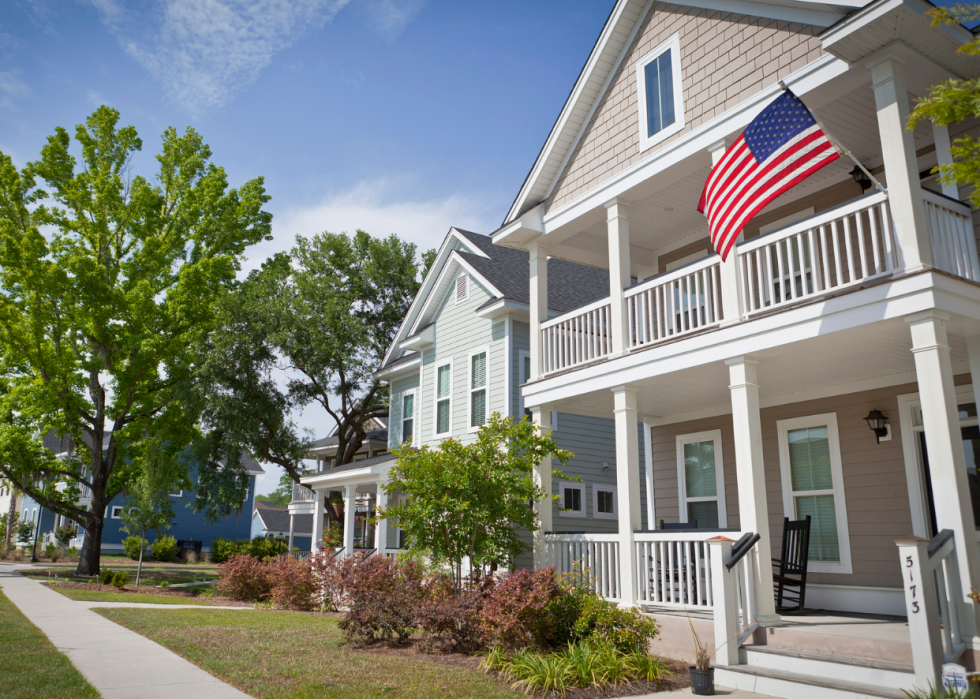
149, 598
31, 667
272, 655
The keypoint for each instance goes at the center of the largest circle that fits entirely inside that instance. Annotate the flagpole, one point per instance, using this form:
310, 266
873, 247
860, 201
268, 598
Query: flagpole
839, 146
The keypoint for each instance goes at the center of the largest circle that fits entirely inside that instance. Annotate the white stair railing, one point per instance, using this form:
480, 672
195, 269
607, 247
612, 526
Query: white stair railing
734, 569
578, 337
839, 248
675, 303
594, 558
951, 237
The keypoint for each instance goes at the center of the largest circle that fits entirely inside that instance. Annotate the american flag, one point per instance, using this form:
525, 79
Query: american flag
780, 148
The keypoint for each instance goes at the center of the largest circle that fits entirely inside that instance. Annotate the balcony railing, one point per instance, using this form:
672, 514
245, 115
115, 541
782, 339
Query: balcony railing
579, 337
676, 303
954, 249
303, 494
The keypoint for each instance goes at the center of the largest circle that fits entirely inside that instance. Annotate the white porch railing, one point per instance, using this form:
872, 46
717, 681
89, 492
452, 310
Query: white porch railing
837, 249
593, 557
673, 569
303, 494
954, 247
577, 337
676, 303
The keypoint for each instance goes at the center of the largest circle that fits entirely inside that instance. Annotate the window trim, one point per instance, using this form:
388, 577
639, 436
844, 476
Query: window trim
596, 489
470, 390
457, 299
566, 485
115, 512
415, 411
521, 356
436, 399
682, 499
844, 567
673, 44
176, 494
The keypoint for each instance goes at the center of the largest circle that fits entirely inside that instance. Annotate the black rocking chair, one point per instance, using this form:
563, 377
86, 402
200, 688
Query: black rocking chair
789, 580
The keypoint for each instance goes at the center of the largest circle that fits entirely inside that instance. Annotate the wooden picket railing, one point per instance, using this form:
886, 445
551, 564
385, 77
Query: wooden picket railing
954, 248
576, 338
592, 557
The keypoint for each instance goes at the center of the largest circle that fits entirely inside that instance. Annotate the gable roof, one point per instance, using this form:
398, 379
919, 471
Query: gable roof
608, 53
276, 519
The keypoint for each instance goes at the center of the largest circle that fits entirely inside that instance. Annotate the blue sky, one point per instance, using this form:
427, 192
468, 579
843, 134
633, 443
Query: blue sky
401, 116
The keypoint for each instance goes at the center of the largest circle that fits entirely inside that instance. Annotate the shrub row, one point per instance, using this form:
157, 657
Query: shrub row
163, 549
223, 549
286, 582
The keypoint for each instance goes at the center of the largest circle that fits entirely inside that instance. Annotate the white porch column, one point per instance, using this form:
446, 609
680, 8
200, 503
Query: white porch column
539, 305
317, 532
618, 229
753, 509
627, 488
901, 168
940, 135
381, 528
731, 289
544, 509
947, 461
350, 495
291, 519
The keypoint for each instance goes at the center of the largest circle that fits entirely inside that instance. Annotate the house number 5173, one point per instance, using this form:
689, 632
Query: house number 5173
915, 603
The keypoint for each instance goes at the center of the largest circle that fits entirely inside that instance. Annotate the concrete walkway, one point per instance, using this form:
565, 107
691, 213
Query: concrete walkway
118, 662
719, 692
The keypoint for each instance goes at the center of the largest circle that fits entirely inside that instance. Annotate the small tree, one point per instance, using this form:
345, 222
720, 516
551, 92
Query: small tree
25, 530
148, 506
952, 101
471, 500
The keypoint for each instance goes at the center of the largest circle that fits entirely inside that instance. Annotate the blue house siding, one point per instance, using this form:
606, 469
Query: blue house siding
28, 512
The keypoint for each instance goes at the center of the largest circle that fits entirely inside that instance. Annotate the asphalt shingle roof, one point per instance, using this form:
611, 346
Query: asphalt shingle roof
276, 519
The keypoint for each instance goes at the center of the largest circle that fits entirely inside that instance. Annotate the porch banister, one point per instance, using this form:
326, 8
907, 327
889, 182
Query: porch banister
947, 461
618, 229
922, 602
726, 602
753, 509
627, 488
901, 167
539, 305
350, 504
543, 509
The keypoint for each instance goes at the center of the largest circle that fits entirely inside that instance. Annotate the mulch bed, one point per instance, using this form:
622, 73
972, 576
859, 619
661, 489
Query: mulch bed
680, 680
150, 590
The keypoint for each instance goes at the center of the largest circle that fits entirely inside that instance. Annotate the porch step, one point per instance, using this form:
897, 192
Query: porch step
793, 685
869, 671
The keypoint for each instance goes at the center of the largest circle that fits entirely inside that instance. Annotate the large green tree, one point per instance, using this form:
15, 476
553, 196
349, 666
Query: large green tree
107, 278
309, 327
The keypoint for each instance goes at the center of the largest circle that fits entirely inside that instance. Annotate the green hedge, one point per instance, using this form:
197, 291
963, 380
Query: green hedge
223, 549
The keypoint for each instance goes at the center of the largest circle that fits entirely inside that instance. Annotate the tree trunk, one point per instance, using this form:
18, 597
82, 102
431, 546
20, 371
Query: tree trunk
88, 559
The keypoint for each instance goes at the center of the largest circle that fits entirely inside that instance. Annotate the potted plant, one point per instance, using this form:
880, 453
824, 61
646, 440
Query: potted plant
333, 538
702, 674
338, 506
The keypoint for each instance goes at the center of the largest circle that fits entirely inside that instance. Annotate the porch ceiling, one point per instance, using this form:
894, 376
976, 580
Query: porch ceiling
846, 361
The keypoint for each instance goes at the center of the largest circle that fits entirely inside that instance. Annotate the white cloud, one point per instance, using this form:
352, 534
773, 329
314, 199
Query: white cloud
390, 17
13, 90
96, 99
205, 51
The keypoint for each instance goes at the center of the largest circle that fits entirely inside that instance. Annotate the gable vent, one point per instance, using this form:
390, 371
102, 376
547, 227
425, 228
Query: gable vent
462, 288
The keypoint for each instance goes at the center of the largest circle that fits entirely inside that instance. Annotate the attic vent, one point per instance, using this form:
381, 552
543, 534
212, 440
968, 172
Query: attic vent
462, 288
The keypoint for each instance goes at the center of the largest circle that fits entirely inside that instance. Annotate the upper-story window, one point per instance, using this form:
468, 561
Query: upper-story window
462, 288
478, 388
444, 398
408, 416
661, 98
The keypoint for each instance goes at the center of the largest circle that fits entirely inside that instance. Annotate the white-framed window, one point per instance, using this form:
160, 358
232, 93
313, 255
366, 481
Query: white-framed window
572, 499
477, 406
443, 418
604, 502
408, 415
177, 493
660, 93
462, 288
116, 512
701, 479
813, 484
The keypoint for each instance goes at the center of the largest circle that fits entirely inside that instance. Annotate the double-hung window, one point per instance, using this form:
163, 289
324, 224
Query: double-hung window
604, 502
444, 398
661, 101
810, 466
478, 389
408, 416
701, 479
572, 500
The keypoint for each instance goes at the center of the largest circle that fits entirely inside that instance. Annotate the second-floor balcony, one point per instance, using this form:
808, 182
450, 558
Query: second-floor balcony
851, 245
302, 494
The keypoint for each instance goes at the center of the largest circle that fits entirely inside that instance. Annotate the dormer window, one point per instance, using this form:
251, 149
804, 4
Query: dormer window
462, 288
661, 98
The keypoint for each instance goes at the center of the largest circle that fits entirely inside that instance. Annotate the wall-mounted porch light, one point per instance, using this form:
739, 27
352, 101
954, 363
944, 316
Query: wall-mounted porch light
605, 468
878, 424
862, 179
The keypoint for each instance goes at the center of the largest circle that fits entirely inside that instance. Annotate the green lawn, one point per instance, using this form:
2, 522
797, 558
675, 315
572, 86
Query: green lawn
31, 668
112, 596
281, 654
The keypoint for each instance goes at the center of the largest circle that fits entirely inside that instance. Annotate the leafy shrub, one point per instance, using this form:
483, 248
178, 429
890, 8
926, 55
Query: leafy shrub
516, 612
223, 549
25, 531
382, 596
602, 623
52, 551
64, 534
245, 578
164, 548
132, 545
451, 622
261, 547
119, 579
105, 575
293, 584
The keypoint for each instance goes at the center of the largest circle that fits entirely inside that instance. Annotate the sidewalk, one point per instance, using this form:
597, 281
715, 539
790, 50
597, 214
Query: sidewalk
118, 662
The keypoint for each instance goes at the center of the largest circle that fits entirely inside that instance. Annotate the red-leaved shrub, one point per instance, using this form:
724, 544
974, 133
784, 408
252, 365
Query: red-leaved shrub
515, 613
245, 578
382, 597
451, 622
293, 585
